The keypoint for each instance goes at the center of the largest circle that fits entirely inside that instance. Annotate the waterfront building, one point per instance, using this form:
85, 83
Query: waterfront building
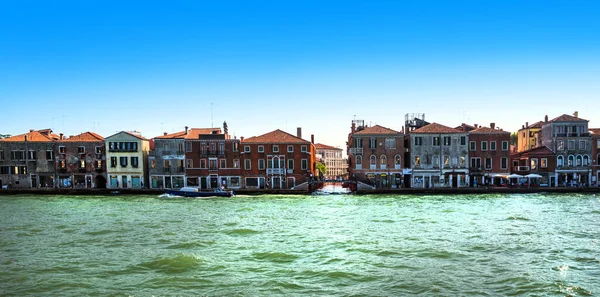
596, 156
28, 160
333, 159
569, 138
166, 161
375, 155
489, 154
80, 161
278, 160
127, 160
528, 136
212, 159
538, 160
439, 157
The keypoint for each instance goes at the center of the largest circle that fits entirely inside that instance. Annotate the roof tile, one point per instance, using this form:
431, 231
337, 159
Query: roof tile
377, 129
436, 128
567, 118
276, 136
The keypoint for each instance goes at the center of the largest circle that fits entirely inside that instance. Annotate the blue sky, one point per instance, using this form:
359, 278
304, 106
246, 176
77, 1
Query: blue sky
156, 67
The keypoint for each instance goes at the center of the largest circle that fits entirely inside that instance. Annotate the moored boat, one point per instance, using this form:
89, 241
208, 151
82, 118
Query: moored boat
196, 192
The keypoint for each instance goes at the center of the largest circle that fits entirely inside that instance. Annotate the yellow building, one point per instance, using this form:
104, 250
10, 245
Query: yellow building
529, 136
127, 160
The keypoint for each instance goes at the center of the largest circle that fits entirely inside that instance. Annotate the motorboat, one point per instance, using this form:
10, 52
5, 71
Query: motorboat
196, 192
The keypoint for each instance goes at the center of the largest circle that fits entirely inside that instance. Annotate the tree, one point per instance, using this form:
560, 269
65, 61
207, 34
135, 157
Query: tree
514, 138
321, 168
5, 136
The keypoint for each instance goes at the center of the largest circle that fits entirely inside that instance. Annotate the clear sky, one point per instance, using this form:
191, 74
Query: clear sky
154, 67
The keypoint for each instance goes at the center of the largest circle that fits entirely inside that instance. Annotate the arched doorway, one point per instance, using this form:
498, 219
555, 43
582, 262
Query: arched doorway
100, 182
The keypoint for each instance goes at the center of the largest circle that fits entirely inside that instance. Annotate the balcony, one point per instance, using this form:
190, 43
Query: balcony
211, 153
114, 150
520, 168
213, 169
572, 134
275, 170
356, 151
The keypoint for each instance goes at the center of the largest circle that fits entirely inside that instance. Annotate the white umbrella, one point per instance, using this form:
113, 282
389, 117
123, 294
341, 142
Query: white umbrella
533, 175
500, 175
515, 176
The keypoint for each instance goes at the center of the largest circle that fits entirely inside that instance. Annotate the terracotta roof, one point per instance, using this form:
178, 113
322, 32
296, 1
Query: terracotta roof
488, 130
194, 133
568, 118
276, 136
595, 131
326, 147
34, 136
436, 128
540, 150
465, 127
130, 133
180, 134
86, 136
377, 130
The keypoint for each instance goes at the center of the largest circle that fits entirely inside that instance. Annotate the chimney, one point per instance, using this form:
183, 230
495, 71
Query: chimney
576, 114
61, 136
527, 124
241, 138
546, 118
312, 138
25, 138
31, 130
475, 125
522, 126
353, 127
493, 125
299, 132
186, 130
164, 133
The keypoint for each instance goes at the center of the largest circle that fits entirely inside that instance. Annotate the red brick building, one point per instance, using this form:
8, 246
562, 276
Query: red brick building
489, 154
375, 155
538, 160
595, 156
277, 160
81, 161
212, 159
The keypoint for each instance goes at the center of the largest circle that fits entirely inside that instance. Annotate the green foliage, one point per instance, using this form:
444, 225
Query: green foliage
5, 136
321, 168
513, 138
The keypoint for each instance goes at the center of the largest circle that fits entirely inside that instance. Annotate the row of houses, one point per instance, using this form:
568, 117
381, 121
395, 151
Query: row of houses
205, 157
557, 152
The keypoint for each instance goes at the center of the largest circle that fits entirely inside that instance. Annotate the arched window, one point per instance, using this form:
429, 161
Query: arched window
586, 160
373, 160
358, 160
397, 160
560, 161
579, 160
383, 160
571, 161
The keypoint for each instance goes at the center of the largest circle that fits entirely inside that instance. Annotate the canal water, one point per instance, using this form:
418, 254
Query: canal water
325, 245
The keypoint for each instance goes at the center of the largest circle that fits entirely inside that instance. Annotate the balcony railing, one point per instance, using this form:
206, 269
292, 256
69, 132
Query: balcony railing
210, 153
520, 168
275, 170
356, 151
122, 150
572, 134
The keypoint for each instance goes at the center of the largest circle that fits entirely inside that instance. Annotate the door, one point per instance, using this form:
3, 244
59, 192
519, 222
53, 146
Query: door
276, 183
124, 181
214, 182
426, 182
34, 181
88, 181
454, 180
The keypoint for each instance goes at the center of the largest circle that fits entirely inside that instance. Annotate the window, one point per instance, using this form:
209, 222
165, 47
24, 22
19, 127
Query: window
261, 149
303, 148
290, 164
373, 161
223, 163
81, 164
484, 145
435, 161
358, 160
63, 164
304, 164
252, 181
98, 164
188, 146
560, 161
463, 161
544, 163
492, 145
598, 143
436, 140
579, 160
463, 140
383, 161
61, 149
134, 162
586, 160
246, 149
290, 148
418, 140
446, 161
261, 164
203, 163
560, 145
167, 164
582, 144
488, 163
212, 164
534, 163
113, 161
472, 145
505, 145
236, 163
504, 163
390, 143
275, 148
32, 155
49, 155
372, 142
447, 140
358, 142
189, 163
236, 146
417, 160
571, 145
247, 164
234, 182
123, 161
397, 161
81, 150
2, 155
571, 161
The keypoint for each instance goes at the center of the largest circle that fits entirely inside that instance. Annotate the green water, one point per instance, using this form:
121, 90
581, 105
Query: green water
485, 245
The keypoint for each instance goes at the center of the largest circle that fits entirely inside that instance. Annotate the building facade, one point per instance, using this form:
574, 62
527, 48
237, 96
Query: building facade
28, 160
166, 161
538, 160
489, 155
277, 160
212, 159
375, 156
439, 157
596, 156
569, 138
127, 160
81, 161
528, 136
332, 157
